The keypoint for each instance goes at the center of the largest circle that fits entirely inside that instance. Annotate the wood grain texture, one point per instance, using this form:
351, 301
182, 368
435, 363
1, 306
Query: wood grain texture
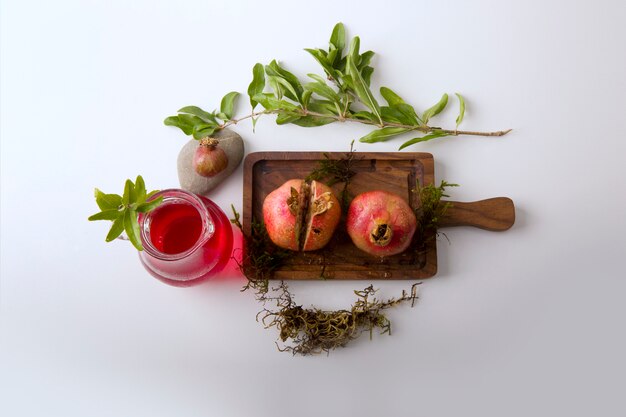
494, 214
396, 172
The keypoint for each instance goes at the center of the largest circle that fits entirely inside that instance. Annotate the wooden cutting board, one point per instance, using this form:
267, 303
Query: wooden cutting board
396, 172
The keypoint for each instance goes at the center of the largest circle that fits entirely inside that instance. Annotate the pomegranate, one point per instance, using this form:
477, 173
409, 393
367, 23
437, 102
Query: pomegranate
209, 159
300, 215
381, 223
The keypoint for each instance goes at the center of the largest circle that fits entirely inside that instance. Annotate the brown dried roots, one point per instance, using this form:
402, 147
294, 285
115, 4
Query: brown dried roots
314, 330
311, 330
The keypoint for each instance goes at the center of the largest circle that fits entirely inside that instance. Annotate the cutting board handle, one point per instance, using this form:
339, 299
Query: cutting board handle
495, 214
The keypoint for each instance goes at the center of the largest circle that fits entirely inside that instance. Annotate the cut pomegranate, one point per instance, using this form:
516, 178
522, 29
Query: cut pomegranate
301, 215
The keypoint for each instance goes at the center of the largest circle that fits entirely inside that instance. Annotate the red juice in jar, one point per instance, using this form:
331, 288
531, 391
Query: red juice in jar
187, 239
175, 228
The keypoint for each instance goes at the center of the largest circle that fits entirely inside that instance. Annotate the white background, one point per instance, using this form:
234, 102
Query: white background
526, 322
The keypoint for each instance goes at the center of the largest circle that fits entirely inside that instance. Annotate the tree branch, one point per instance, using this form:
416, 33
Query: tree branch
347, 118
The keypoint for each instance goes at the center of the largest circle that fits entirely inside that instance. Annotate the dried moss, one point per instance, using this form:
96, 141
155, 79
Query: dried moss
333, 171
260, 258
430, 211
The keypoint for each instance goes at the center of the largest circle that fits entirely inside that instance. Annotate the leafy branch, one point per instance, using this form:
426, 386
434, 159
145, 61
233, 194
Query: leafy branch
343, 94
124, 209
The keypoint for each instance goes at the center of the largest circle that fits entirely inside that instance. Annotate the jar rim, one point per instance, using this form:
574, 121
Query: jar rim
170, 196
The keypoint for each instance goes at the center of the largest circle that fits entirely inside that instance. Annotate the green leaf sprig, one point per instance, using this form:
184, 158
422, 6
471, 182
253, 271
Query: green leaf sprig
123, 210
343, 94
192, 120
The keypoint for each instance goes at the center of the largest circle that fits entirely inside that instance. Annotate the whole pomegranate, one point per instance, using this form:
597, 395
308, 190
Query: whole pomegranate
209, 159
300, 215
380, 223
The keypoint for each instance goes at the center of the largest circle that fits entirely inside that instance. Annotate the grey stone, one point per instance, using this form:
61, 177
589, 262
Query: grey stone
190, 181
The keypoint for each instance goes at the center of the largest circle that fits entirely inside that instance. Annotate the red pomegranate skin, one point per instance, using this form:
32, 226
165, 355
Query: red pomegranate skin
323, 225
208, 161
368, 211
280, 222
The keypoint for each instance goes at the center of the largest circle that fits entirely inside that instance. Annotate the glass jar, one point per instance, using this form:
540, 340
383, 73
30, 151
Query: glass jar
187, 239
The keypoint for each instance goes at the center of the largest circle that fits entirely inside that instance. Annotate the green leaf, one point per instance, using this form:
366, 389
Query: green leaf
106, 215
270, 102
323, 90
107, 201
338, 38
325, 107
353, 54
228, 104
333, 55
204, 130
340, 66
408, 113
277, 82
116, 228
140, 189
459, 119
348, 84
295, 87
198, 112
275, 86
319, 56
189, 122
367, 74
366, 58
284, 118
391, 115
383, 134
423, 139
400, 113
317, 78
391, 97
129, 196
267, 100
365, 115
151, 193
436, 109
312, 121
181, 124
362, 90
149, 205
171, 121
306, 97
131, 226
258, 83
193, 121
285, 74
